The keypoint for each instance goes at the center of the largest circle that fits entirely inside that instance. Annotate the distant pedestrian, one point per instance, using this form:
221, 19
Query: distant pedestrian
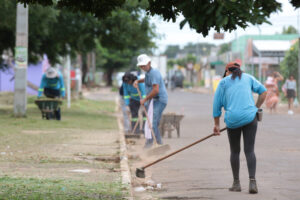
234, 94
52, 85
132, 99
271, 84
156, 91
290, 90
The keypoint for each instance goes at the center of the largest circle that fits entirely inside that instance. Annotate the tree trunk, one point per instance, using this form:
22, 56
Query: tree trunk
84, 67
109, 74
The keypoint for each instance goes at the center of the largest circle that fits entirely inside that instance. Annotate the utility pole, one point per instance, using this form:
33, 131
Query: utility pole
298, 19
68, 65
21, 61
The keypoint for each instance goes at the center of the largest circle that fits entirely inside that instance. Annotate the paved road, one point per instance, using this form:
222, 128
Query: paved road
203, 172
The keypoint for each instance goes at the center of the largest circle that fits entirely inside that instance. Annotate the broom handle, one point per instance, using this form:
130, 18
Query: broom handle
148, 120
135, 126
183, 148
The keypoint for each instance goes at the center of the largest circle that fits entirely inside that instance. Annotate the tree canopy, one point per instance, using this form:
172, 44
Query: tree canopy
224, 48
289, 66
201, 15
289, 30
51, 31
127, 33
58, 32
195, 49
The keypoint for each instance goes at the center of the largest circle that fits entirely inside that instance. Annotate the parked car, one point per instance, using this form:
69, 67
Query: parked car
177, 79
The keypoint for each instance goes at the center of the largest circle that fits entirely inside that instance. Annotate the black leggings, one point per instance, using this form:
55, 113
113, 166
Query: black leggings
134, 106
234, 136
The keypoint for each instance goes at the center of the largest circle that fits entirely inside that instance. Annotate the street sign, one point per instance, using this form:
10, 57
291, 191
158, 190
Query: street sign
218, 36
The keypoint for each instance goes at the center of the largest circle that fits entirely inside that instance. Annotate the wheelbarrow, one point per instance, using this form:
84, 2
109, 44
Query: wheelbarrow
48, 107
170, 122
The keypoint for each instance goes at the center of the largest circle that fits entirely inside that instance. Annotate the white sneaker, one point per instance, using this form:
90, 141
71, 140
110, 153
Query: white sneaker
290, 112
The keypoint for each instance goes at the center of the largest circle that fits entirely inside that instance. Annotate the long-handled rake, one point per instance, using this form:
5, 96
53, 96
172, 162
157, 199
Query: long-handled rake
140, 172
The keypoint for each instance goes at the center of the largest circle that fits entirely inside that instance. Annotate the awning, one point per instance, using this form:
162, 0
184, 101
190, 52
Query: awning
271, 48
219, 62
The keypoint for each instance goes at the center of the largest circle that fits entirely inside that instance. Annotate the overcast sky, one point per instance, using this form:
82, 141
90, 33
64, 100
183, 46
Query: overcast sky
172, 34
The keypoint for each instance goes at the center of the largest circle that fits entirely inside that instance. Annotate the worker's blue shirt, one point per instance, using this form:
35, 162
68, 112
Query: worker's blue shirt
237, 99
130, 92
52, 83
154, 77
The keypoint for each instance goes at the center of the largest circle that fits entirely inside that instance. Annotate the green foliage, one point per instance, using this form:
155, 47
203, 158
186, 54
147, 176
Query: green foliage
99, 8
184, 61
172, 50
201, 15
59, 189
220, 15
191, 59
58, 32
171, 63
295, 3
125, 34
289, 30
51, 31
289, 66
224, 48
84, 114
196, 49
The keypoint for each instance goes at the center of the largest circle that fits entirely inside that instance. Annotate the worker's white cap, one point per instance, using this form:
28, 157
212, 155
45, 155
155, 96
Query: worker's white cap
51, 73
143, 59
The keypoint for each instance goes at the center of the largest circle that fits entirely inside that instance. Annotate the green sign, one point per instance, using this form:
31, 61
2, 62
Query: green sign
21, 57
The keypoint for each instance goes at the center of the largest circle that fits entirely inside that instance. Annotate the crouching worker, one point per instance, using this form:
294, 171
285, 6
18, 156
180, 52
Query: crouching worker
234, 94
52, 85
132, 99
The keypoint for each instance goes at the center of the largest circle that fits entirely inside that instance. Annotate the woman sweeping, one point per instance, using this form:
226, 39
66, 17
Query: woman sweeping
234, 94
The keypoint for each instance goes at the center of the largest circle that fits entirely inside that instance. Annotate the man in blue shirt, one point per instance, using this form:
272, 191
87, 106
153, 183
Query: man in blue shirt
156, 90
132, 99
234, 94
52, 85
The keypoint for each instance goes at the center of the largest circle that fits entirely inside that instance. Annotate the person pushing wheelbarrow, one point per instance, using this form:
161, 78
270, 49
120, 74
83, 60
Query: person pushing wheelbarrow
52, 86
234, 94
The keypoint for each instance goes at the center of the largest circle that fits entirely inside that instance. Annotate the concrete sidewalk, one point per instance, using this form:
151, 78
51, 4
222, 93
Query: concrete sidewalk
105, 94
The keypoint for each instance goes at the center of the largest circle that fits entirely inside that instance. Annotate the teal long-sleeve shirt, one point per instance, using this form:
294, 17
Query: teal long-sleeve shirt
131, 92
52, 83
237, 99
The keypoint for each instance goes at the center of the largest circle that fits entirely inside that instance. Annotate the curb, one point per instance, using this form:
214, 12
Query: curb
125, 170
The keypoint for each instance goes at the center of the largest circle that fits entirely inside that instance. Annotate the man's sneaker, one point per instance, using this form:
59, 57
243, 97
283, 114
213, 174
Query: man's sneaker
252, 186
290, 112
236, 186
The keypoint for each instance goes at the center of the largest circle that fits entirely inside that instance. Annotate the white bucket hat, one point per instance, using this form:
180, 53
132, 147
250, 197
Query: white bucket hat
51, 73
143, 59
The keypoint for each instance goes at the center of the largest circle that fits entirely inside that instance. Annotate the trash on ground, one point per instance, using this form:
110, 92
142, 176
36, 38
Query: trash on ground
139, 189
81, 170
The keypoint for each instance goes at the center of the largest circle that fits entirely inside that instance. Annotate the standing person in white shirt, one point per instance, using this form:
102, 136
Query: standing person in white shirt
290, 90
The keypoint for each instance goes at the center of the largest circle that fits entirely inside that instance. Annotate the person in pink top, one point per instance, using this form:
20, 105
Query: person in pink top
272, 98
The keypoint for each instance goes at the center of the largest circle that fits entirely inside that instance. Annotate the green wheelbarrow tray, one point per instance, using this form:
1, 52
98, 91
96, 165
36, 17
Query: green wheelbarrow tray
48, 106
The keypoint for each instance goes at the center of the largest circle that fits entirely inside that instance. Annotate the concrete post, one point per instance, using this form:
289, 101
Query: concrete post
21, 61
298, 91
259, 68
68, 65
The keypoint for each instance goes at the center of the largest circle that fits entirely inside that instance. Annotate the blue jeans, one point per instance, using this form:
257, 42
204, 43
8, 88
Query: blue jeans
158, 108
